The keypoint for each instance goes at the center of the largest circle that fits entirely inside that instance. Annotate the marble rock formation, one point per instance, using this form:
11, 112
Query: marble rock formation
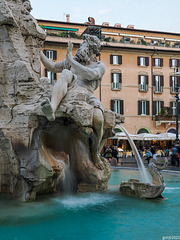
34, 151
134, 187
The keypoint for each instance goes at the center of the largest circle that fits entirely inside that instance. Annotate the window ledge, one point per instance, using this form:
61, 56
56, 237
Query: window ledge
144, 91
116, 89
158, 67
158, 92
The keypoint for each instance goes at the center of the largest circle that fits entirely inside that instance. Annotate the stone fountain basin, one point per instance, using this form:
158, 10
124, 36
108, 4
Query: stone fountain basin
134, 187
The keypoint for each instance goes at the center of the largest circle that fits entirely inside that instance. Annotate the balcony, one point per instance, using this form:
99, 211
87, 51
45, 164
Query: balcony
164, 119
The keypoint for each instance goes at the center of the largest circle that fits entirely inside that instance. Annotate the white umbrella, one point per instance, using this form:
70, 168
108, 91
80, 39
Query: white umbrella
167, 136
122, 135
147, 136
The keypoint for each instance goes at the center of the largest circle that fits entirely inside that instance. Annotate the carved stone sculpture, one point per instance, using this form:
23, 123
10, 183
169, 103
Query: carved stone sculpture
134, 187
33, 150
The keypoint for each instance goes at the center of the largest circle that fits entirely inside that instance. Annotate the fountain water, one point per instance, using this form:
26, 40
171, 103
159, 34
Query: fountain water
145, 178
68, 183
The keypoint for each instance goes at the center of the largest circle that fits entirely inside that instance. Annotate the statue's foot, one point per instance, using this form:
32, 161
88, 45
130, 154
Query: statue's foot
47, 109
98, 163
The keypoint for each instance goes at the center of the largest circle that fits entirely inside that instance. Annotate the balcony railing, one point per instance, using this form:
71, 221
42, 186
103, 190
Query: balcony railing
167, 118
69, 34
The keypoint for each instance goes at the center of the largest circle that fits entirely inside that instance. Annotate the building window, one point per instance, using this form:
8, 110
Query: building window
143, 107
51, 76
116, 80
157, 62
158, 107
172, 130
173, 83
174, 63
117, 106
158, 83
143, 61
173, 108
143, 83
142, 130
51, 54
116, 59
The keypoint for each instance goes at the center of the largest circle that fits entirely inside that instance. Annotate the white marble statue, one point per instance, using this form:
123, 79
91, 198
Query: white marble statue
86, 71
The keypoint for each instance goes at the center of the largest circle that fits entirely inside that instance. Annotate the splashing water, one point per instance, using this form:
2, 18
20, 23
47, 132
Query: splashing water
68, 184
69, 181
145, 178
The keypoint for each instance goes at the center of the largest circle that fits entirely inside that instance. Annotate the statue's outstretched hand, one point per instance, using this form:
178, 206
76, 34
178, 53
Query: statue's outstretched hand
70, 47
69, 57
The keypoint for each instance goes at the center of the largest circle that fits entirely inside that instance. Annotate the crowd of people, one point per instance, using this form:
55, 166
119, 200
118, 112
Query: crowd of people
111, 153
173, 152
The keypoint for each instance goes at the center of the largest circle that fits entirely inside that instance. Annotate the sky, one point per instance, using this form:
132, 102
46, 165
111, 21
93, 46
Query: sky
157, 15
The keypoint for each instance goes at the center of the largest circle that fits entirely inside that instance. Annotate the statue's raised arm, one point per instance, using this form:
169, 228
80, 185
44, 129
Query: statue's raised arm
52, 66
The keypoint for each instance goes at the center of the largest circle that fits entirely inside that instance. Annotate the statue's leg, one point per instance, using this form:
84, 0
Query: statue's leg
98, 123
58, 93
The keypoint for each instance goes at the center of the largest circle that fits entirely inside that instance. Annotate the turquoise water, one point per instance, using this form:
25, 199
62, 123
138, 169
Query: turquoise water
94, 216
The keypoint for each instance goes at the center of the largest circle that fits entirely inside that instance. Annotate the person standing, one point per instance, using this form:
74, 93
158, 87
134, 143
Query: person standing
174, 155
109, 153
148, 155
177, 159
153, 151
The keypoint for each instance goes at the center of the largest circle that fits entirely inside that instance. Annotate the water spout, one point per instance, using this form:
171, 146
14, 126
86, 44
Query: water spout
68, 184
145, 178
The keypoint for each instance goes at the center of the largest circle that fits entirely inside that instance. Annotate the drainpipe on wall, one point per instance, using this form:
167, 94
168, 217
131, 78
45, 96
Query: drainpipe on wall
152, 83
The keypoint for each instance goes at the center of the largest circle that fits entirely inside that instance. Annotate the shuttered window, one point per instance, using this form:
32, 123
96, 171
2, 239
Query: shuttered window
158, 107
173, 108
116, 59
116, 80
143, 107
51, 76
143, 81
158, 83
174, 63
51, 54
157, 62
174, 81
143, 61
117, 106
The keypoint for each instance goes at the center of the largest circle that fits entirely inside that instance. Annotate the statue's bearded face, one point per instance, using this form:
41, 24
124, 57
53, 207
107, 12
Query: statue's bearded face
82, 55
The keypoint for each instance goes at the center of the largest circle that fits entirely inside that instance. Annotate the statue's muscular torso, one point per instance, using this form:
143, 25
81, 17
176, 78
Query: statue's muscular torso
90, 85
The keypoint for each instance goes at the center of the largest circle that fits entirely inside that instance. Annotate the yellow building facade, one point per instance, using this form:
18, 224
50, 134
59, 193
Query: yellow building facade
140, 65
